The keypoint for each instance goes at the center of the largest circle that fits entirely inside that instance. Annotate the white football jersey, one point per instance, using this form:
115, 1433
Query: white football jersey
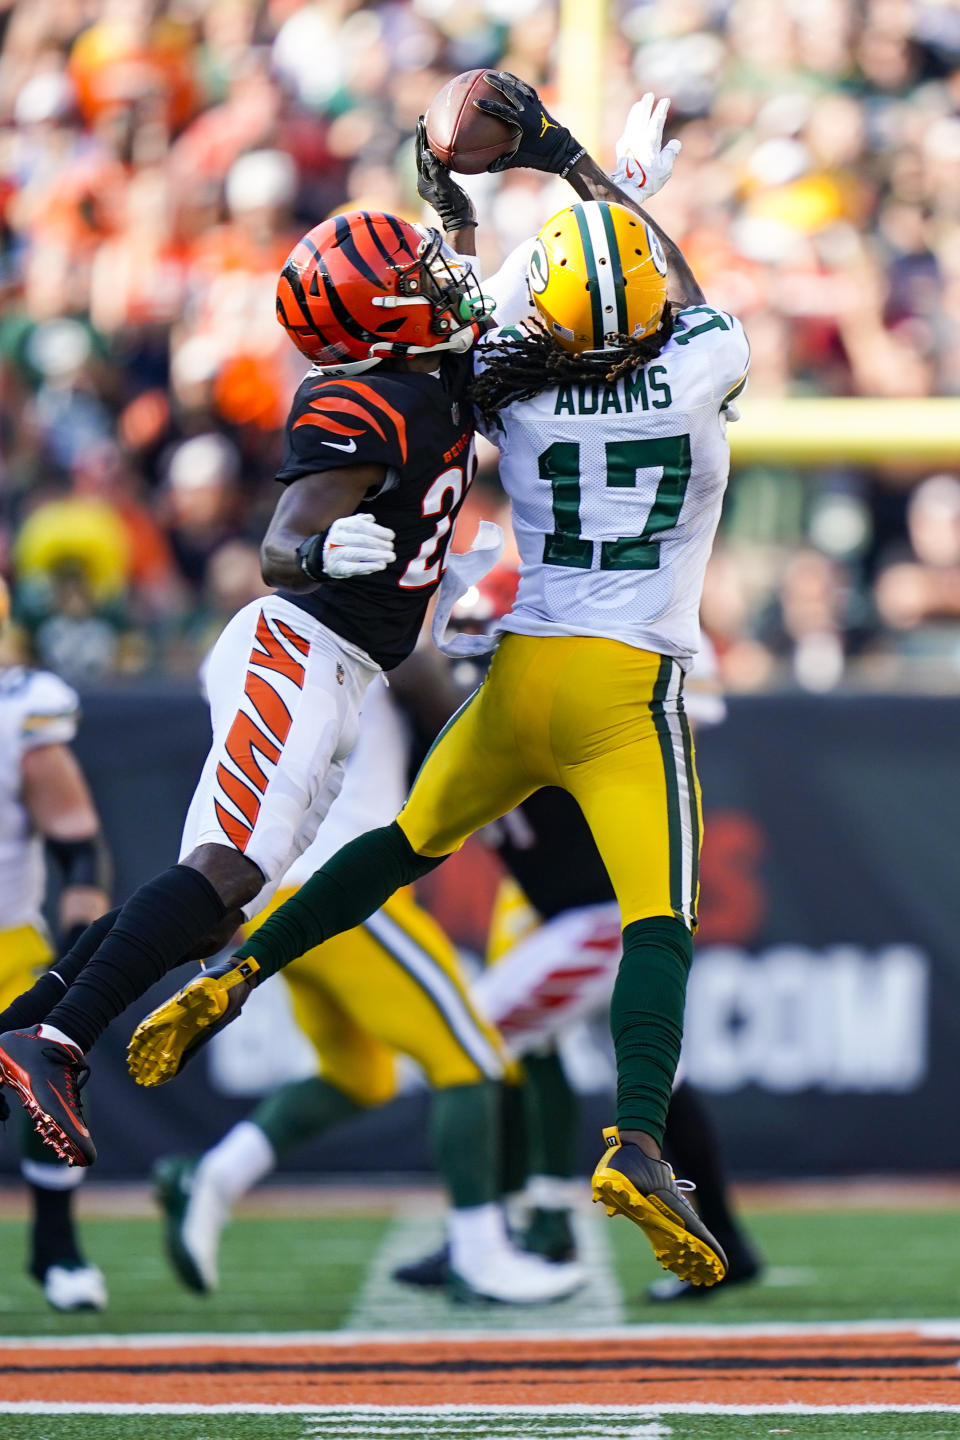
36, 708
616, 491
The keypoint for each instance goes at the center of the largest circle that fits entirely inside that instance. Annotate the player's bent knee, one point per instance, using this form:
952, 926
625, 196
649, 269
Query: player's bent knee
369, 1090
235, 878
426, 847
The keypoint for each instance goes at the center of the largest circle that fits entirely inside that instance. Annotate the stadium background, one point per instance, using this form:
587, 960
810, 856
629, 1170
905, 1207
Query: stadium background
157, 159
156, 162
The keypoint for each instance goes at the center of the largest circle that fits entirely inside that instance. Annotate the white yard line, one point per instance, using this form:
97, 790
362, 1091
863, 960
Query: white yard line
382, 1304
938, 1329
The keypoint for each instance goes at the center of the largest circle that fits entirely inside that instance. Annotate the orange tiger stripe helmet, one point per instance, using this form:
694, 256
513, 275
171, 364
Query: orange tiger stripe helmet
365, 285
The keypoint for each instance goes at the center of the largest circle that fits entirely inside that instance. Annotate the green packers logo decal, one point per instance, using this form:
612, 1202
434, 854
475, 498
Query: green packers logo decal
538, 268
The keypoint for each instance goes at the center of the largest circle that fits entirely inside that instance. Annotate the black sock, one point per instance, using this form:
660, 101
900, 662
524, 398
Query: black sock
34, 1004
53, 1240
160, 924
691, 1143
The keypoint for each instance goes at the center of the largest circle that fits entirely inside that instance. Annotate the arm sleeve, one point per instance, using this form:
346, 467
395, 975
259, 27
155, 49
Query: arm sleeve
334, 423
733, 372
51, 712
721, 338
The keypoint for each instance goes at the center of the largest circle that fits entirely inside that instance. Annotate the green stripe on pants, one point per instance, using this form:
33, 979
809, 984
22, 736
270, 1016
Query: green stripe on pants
694, 813
673, 791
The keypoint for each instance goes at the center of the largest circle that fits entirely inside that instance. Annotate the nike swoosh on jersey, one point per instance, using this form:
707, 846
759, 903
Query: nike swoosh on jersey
352, 401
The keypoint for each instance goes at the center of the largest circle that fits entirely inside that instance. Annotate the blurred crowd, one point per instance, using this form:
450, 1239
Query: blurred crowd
158, 158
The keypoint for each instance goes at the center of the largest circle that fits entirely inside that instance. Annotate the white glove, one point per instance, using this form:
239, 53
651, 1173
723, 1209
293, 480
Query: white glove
357, 545
644, 163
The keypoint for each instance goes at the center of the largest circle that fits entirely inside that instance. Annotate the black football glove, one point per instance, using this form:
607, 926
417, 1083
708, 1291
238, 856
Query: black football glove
542, 143
437, 186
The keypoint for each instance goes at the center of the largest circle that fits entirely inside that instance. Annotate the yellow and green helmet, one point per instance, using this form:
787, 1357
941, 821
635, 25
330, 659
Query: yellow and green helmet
597, 271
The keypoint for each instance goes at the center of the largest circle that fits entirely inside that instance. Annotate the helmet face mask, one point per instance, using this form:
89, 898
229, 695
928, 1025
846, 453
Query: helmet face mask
366, 286
597, 274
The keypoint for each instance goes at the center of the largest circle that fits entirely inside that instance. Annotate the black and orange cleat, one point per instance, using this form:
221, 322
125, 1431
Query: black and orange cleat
48, 1077
170, 1035
629, 1182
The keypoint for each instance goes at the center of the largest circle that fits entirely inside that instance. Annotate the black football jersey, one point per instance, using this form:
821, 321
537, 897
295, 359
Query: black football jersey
547, 847
420, 427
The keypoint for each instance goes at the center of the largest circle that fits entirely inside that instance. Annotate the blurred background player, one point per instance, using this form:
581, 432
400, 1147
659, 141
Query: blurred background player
45, 808
391, 987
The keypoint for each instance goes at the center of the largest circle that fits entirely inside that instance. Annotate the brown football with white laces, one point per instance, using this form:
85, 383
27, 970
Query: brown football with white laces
460, 135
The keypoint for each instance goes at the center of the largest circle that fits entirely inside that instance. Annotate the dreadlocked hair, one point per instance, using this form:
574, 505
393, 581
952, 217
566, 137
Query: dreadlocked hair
522, 365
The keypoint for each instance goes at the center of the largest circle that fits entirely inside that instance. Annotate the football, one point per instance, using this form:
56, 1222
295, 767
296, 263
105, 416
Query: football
463, 137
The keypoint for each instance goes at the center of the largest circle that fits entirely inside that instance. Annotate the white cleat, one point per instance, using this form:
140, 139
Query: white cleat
75, 1287
513, 1277
195, 1214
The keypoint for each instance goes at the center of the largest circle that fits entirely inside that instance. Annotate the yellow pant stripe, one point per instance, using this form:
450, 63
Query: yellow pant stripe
420, 965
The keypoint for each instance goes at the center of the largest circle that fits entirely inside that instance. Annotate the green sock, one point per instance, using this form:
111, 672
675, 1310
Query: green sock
297, 1112
551, 1108
646, 1020
513, 1139
465, 1129
350, 886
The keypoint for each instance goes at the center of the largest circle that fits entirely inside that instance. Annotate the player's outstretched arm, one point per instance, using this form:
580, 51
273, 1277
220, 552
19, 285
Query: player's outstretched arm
315, 535
591, 182
436, 185
544, 144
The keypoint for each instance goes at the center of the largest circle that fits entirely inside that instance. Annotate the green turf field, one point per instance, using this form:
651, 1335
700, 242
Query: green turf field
277, 1275
302, 1274
286, 1274
823, 1266
479, 1426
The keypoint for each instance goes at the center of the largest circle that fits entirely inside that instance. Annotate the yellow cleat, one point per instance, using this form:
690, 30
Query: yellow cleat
629, 1182
170, 1035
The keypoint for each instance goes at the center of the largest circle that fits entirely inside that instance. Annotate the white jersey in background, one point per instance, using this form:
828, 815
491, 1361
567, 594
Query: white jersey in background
616, 491
36, 708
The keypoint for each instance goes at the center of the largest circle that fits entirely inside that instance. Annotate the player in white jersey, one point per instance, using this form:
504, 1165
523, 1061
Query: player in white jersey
585, 689
394, 986
45, 809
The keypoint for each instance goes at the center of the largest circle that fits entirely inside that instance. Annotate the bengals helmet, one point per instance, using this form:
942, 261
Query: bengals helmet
597, 271
364, 285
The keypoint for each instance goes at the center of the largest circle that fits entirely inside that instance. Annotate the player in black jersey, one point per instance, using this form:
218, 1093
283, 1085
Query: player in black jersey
378, 458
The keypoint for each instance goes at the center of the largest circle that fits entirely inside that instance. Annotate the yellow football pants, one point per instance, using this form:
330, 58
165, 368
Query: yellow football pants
598, 718
24, 954
392, 985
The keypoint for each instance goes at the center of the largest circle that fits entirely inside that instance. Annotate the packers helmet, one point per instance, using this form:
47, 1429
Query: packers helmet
597, 271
